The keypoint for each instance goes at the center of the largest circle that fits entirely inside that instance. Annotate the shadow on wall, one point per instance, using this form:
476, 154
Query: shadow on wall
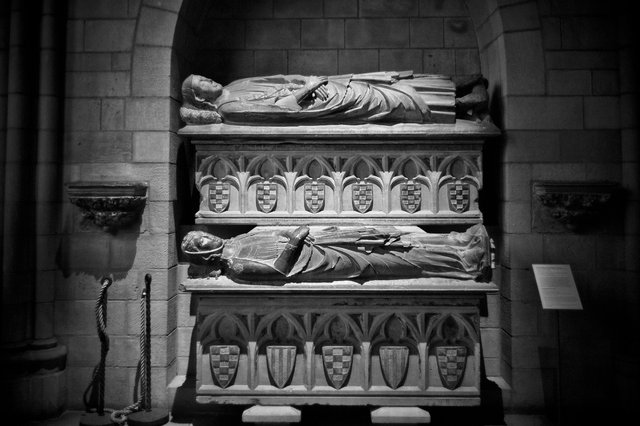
489, 197
93, 251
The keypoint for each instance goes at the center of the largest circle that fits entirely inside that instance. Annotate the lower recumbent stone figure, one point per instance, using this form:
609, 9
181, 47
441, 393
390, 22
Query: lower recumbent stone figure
336, 253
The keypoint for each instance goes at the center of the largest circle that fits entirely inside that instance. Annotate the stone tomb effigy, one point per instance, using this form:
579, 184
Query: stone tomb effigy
338, 296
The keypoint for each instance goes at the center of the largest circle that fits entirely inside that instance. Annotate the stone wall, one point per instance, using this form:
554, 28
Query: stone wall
247, 38
237, 39
562, 91
121, 119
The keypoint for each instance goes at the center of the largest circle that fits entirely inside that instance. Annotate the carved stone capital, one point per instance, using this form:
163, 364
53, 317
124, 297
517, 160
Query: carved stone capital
109, 205
574, 204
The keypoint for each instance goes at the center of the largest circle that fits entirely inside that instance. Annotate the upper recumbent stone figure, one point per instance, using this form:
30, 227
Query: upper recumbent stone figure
377, 97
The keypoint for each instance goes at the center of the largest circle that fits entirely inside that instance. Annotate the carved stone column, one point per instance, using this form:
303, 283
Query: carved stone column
32, 362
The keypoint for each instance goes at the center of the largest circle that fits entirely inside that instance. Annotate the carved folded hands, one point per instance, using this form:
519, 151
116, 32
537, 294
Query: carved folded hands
317, 87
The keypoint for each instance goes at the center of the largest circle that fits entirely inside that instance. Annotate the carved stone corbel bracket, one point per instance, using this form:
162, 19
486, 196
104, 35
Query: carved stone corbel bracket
575, 204
109, 205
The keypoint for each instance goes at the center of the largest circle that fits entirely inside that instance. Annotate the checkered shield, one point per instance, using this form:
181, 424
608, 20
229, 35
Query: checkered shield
218, 196
337, 362
281, 361
224, 363
394, 361
458, 196
362, 196
266, 196
410, 196
314, 196
452, 361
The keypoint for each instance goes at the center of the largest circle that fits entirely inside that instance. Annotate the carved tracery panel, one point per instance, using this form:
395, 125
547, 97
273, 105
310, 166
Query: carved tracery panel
333, 186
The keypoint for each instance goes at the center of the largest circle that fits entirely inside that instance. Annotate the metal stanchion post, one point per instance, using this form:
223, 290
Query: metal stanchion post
97, 385
147, 416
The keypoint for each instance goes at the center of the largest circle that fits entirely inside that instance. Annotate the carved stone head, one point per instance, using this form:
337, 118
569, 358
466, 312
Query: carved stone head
198, 95
202, 247
200, 91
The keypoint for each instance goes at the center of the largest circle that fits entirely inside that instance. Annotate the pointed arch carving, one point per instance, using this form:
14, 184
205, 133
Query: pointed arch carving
302, 167
336, 328
281, 327
452, 328
473, 168
255, 164
224, 328
395, 328
352, 163
422, 167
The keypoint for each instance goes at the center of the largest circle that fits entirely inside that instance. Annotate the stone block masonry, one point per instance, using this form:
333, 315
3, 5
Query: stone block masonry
392, 32
555, 72
273, 34
108, 35
120, 124
301, 37
322, 33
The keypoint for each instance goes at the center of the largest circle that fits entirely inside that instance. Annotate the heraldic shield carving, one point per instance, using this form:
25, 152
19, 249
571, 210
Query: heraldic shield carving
314, 196
410, 196
394, 361
459, 194
266, 196
362, 196
224, 363
452, 361
218, 196
281, 361
337, 362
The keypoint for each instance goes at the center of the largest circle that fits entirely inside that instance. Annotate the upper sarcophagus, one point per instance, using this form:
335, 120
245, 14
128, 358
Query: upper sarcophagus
339, 174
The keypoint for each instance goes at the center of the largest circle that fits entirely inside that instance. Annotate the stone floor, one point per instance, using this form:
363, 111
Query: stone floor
186, 412
333, 417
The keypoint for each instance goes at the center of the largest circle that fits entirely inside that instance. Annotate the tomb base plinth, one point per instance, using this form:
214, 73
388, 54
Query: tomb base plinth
389, 344
380, 343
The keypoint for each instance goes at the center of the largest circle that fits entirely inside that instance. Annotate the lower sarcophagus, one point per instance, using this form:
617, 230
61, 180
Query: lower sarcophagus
410, 342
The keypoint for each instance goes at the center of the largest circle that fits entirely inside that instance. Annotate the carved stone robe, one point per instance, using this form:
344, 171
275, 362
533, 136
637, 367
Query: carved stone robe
360, 253
389, 97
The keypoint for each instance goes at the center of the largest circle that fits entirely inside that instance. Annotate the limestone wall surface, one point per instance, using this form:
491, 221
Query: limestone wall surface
563, 91
120, 125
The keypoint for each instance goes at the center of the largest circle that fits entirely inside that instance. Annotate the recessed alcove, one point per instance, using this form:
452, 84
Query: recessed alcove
228, 40
562, 84
227, 43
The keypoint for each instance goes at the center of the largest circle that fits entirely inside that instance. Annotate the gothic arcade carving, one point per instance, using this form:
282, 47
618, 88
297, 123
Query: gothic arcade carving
372, 183
355, 349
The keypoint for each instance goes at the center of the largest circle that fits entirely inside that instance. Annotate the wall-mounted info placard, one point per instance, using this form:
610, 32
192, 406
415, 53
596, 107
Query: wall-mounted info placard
557, 287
